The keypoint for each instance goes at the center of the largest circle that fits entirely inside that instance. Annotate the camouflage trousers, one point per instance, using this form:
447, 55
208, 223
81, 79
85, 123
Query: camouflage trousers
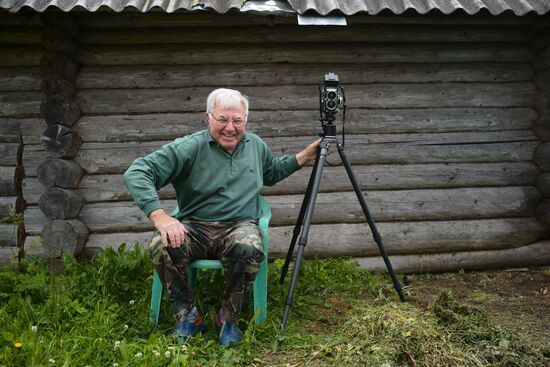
239, 247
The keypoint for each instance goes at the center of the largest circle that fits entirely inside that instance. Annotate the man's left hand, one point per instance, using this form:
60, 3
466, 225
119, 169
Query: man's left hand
309, 154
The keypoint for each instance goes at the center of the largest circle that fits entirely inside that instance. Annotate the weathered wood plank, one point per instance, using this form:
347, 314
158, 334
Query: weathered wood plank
400, 205
20, 79
356, 33
20, 104
7, 181
113, 77
291, 97
356, 239
511, 146
59, 172
7, 206
151, 19
537, 253
30, 129
19, 36
20, 55
64, 237
543, 212
58, 203
8, 154
8, 235
8, 255
118, 128
203, 54
541, 60
97, 188
10, 130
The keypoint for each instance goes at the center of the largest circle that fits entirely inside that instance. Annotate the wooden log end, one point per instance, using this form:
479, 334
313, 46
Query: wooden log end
58, 109
64, 237
58, 203
543, 212
542, 156
59, 172
60, 141
543, 184
59, 86
55, 65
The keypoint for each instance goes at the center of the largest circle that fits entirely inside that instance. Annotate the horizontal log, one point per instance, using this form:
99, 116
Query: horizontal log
20, 55
59, 172
399, 205
60, 141
542, 102
356, 33
356, 239
9, 256
97, 188
542, 128
184, 54
543, 184
543, 212
182, 19
59, 20
8, 235
30, 129
7, 181
168, 126
8, 154
61, 87
542, 79
114, 77
537, 253
64, 237
542, 156
20, 79
508, 146
7, 207
290, 97
59, 109
58, 203
19, 19
19, 36
20, 104
10, 131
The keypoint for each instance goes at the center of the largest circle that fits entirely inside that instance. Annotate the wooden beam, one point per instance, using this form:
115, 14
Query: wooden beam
59, 203
59, 172
542, 156
176, 76
19, 79
183, 54
60, 141
537, 253
543, 184
543, 212
292, 97
64, 237
60, 109
111, 187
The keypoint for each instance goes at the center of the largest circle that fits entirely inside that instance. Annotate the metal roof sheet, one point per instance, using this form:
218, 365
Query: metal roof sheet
323, 7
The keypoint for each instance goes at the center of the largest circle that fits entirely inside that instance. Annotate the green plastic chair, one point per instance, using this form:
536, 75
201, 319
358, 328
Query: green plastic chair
260, 283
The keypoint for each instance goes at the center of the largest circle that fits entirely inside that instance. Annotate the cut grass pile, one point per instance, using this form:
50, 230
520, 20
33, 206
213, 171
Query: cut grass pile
96, 314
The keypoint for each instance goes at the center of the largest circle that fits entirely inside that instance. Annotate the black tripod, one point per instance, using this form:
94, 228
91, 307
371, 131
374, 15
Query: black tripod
308, 204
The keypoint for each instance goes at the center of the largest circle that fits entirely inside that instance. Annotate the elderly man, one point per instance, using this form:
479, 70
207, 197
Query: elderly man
217, 174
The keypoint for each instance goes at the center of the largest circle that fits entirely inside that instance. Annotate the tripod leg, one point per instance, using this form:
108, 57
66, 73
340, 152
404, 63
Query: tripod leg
299, 221
325, 145
376, 235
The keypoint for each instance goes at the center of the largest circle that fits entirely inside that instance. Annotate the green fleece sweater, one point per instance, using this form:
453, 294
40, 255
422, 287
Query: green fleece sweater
210, 184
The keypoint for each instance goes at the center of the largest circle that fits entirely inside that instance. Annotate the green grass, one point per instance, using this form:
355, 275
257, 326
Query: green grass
96, 314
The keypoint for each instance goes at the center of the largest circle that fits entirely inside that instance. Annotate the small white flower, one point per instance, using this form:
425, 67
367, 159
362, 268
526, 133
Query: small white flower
51, 360
167, 353
117, 344
138, 355
115, 364
34, 328
171, 347
184, 348
125, 327
132, 302
156, 353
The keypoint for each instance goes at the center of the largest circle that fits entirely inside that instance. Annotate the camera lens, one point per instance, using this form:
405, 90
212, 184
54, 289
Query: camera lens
331, 95
331, 104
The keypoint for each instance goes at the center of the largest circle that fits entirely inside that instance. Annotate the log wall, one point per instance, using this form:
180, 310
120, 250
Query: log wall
20, 85
443, 127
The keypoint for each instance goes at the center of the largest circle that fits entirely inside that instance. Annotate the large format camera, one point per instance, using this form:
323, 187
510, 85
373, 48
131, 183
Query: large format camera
331, 97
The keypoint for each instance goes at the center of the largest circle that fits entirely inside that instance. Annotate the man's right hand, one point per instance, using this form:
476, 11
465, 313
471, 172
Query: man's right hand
171, 230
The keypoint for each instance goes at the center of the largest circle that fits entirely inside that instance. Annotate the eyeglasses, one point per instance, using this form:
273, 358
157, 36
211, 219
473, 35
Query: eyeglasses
237, 121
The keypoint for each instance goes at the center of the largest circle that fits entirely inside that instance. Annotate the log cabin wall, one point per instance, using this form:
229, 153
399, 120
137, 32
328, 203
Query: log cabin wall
20, 96
439, 128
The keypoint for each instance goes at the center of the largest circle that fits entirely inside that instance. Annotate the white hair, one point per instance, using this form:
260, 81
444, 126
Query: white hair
224, 98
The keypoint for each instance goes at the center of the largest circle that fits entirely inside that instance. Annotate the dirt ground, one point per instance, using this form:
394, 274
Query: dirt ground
517, 299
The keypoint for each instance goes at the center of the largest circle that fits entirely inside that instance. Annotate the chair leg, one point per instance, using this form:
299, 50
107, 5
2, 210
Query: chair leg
260, 293
156, 298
